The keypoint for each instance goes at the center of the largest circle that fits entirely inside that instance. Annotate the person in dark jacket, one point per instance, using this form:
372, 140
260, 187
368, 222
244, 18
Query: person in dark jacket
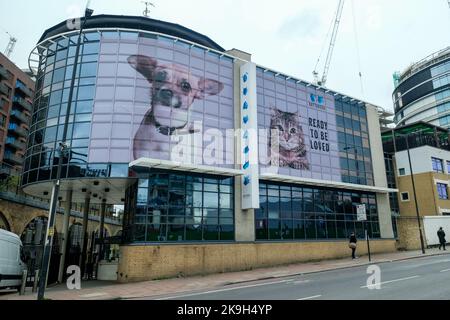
441, 236
352, 244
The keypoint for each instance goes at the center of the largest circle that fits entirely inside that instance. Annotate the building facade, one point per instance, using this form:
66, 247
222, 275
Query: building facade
16, 97
221, 164
419, 167
422, 92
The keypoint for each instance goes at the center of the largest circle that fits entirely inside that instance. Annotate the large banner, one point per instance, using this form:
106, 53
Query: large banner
302, 140
161, 99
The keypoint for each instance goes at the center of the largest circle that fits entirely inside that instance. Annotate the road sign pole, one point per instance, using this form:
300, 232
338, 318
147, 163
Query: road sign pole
368, 241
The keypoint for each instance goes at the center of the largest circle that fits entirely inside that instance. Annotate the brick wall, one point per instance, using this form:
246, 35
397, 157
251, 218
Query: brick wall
140, 263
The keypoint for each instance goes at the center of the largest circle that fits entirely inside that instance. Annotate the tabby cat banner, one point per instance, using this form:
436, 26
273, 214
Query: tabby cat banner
302, 123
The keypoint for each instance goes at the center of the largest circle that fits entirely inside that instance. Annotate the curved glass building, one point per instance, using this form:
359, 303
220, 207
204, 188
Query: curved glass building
422, 92
202, 146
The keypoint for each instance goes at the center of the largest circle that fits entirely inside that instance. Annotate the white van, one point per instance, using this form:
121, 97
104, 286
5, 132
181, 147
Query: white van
11, 264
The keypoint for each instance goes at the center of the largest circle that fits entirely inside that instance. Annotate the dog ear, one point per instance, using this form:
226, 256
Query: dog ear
144, 65
208, 87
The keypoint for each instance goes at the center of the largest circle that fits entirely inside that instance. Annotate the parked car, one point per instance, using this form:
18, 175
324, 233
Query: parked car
12, 262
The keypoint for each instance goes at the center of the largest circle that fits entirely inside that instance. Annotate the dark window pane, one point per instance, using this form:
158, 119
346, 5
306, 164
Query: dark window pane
287, 230
310, 227
299, 229
227, 233
262, 230
274, 230
193, 232
211, 232
175, 232
321, 229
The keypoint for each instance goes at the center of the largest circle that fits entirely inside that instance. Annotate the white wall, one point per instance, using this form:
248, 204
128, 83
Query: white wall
431, 227
421, 159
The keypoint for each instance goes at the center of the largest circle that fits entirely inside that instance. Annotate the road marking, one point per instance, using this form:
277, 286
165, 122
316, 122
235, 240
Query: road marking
222, 290
446, 270
390, 281
310, 298
93, 295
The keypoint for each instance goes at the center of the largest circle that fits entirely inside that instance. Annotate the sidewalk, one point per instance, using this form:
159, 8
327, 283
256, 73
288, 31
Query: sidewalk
97, 290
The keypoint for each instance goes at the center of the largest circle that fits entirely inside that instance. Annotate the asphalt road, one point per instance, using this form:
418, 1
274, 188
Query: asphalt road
425, 278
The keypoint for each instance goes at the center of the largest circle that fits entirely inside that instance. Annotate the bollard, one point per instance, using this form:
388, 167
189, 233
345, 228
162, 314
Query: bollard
24, 282
36, 280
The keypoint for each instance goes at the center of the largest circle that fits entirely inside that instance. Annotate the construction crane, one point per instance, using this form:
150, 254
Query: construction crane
322, 82
11, 44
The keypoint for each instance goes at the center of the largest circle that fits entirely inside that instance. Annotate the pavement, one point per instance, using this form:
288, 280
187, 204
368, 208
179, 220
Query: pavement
211, 285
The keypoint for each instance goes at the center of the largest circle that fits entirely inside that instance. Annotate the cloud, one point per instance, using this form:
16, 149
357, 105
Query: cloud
373, 17
306, 24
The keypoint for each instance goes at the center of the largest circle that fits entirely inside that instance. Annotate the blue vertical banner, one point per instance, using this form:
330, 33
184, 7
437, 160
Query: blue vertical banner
249, 137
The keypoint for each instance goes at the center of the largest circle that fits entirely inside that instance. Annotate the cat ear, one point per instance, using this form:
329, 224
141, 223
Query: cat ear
275, 110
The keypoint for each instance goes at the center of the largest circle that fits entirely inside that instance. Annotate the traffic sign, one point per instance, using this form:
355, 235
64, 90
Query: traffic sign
361, 212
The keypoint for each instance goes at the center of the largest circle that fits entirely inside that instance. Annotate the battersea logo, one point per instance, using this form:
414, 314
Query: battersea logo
316, 101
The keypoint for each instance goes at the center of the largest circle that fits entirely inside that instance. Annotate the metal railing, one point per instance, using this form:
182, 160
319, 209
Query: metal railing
424, 63
3, 73
14, 128
13, 158
21, 87
23, 103
20, 116
4, 89
16, 144
415, 140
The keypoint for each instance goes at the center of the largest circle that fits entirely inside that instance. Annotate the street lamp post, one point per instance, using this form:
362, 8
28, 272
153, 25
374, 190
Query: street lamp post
422, 244
63, 151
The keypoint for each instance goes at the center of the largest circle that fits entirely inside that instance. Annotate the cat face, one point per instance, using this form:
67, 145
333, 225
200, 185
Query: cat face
290, 132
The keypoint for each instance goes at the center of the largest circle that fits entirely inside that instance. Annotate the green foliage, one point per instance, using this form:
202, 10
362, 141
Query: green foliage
9, 184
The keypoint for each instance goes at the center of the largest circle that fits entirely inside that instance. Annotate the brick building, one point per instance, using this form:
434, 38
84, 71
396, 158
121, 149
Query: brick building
16, 94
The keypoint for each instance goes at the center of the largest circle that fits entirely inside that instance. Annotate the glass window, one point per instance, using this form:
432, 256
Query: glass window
437, 165
91, 48
180, 208
405, 196
88, 69
84, 106
81, 130
310, 213
86, 93
442, 191
58, 75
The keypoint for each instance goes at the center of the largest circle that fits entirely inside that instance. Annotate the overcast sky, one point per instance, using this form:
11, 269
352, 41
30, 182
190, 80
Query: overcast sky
285, 35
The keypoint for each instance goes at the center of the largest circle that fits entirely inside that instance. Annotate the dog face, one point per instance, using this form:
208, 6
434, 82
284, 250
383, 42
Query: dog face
174, 90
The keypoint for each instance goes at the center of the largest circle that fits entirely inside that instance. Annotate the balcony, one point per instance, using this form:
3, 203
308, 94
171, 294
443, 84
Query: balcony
3, 73
16, 144
23, 103
22, 117
4, 89
3, 104
13, 159
21, 88
17, 130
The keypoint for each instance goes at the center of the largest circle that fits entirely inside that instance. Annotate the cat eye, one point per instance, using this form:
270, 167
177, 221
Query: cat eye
293, 130
280, 127
185, 86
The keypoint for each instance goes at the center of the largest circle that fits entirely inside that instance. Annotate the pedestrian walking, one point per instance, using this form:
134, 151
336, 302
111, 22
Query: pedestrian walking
441, 236
352, 244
